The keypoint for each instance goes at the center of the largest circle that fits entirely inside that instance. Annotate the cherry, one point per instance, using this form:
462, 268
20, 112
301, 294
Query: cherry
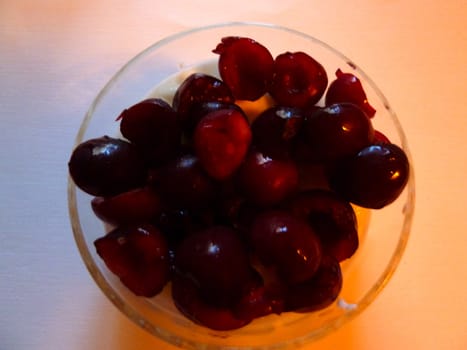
332, 218
138, 255
348, 88
153, 126
298, 80
217, 261
199, 110
183, 184
318, 292
275, 130
287, 243
106, 166
131, 207
188, 301
196, 89
221, 141
266, 181
372, 178
336, 131
245, 66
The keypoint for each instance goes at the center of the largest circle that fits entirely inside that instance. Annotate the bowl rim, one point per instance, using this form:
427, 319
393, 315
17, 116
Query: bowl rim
140, 320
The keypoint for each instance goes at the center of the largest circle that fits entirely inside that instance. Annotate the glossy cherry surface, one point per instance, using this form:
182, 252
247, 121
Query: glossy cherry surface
336, 131
374, 177
106, 166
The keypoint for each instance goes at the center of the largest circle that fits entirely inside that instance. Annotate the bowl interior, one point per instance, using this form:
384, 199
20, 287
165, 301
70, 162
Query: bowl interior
383, 233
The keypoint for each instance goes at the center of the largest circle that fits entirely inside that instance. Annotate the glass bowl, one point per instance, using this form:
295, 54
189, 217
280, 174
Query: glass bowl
383, 238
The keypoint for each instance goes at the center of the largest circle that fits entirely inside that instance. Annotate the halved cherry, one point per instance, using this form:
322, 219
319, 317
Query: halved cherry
138, 255
221, 141
348, 88
332, 218
131, 207
298, 80
245, 66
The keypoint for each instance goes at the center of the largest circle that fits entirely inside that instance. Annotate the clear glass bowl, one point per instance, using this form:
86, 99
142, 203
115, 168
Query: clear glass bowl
383, 240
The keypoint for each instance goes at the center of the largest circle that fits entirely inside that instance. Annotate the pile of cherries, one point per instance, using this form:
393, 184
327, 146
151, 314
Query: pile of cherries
245, 217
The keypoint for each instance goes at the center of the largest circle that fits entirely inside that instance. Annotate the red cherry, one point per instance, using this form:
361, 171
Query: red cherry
138, 255
275, 130
287, 243
217, 261
131, 207
153, 126
337, 131
372, 178
245, 66
298, 80
221, 141
106, 166
188, 301
332, 218
266, 181
348, 88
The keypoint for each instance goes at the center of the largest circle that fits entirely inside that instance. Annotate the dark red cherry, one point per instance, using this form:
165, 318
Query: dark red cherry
245, 66
298, 80
198, 88
266, 181
221, 141
106, 166
275, 130
183, 184
372, 178
348, 88
198, 111
138, 255
217, 261
190, 303
332, 218
153, 126
287, 243
131, 207
337, 131
318, 292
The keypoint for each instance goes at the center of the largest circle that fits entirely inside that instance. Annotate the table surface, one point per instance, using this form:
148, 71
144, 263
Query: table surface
55, 55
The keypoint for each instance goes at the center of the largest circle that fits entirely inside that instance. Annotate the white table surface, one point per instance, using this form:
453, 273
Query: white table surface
55, 55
